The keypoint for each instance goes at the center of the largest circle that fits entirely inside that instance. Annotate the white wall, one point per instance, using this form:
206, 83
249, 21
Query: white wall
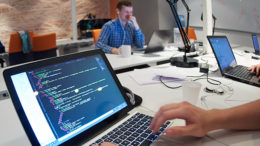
234, 37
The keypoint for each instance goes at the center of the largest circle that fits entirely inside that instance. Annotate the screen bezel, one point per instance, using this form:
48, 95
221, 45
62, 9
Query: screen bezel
82, 137
223, 37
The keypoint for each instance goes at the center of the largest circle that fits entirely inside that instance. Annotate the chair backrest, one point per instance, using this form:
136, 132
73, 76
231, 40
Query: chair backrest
95, 34
44, 46
191, 33
15, 42
44, 42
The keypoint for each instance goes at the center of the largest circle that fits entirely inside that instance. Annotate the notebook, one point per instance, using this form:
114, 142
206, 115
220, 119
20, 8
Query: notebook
158, 41
227, 62
74, 100
256, 44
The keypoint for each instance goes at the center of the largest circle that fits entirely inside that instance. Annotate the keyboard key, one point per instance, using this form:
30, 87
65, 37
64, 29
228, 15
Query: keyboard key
125, 142
128, 126
140, 123
136, 126
135, 134
123, 129
117, 141
148, 131
140, 139
108, 140
152, 137
144, 135
143, 128
139, 131
119, 132
125, 123
130, 138
113, 136
132, 129
132, 122
123, 137
135, 143
110, 133
127, 133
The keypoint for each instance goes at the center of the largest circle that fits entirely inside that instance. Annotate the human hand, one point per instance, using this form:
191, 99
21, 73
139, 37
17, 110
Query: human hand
196, 120
116, 51
105, 144
255, 69
133, 20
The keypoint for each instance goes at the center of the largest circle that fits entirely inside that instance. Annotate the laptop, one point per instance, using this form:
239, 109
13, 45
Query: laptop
227, 62
158, 41
76, 100
256, 44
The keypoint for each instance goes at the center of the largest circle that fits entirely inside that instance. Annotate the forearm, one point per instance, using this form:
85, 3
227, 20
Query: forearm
104, 47
139, 39
244, 117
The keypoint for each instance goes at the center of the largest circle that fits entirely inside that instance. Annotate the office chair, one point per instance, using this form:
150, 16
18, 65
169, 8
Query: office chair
95, 34
44, 46
191, 33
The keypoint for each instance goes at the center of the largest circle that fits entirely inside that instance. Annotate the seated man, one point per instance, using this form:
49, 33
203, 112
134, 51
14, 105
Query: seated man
122, 31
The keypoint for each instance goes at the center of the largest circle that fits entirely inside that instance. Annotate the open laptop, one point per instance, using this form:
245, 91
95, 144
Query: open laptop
227, 62
256, 44
76, 99
158, 41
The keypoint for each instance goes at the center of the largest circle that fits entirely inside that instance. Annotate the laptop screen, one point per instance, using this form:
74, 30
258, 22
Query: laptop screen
62, 100
255, 42
223, 52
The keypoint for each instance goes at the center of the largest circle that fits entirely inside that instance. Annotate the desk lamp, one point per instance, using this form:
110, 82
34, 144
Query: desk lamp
182, 61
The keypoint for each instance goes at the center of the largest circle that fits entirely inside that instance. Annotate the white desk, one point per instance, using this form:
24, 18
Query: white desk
156, 95
118, 62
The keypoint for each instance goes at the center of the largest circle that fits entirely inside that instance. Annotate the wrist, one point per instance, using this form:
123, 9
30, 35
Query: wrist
215, 120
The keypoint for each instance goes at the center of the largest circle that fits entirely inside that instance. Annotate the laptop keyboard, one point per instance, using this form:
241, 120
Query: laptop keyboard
133, 132
241, 72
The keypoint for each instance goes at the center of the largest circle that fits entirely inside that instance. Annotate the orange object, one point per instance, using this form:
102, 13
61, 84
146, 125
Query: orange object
44, 42
95, 34
39, 42
44, 46
191, 33
15, 43
113, 14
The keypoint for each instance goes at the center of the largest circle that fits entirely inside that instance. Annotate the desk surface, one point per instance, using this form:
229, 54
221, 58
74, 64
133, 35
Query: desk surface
154, 96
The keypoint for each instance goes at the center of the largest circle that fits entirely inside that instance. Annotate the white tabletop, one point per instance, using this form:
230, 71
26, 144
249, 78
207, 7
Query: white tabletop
118, 62
156, 95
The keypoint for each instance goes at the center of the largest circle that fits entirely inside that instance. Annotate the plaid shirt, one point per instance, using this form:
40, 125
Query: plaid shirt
113, 36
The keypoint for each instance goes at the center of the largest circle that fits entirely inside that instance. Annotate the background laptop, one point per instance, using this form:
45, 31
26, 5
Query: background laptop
75, 99
256, 44
158, 41
227, 62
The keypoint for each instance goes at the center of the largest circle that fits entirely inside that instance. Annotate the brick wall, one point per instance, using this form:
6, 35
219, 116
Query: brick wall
45, 16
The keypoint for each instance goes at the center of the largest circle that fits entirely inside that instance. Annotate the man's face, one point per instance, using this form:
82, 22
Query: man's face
125, 13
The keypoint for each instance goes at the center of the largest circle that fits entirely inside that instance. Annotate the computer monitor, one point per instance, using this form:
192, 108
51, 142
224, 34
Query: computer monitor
256, 44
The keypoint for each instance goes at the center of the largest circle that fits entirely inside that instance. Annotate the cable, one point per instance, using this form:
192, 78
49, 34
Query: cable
160, 78
209, 80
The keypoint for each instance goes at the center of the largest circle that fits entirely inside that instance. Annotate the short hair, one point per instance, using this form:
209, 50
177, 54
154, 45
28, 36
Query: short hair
122, 3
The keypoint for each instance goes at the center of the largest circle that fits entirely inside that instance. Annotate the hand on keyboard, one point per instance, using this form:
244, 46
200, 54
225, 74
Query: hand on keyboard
196, 120
255, 69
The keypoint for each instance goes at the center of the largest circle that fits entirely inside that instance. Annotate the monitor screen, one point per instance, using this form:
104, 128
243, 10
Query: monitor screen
223, 52
255, 42
62, 100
